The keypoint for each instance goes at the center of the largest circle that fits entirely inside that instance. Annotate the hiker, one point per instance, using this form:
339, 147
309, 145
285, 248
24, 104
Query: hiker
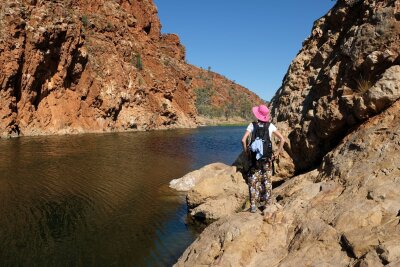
259, 151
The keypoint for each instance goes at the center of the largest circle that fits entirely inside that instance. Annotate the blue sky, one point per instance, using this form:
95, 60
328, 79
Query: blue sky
251, 42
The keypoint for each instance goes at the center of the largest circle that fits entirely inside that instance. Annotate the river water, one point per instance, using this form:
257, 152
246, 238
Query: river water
102, 199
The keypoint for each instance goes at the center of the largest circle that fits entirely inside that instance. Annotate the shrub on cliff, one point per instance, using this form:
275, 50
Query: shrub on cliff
203, 100
85, 21
136, 60
237, 104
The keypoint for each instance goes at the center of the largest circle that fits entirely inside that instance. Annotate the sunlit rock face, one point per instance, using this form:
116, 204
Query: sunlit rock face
213, 192
346, 72
339, 107
72, 66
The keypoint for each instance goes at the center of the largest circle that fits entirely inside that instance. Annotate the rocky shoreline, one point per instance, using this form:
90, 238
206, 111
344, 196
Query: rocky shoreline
222, 121
75, 131
346, 212
337, 200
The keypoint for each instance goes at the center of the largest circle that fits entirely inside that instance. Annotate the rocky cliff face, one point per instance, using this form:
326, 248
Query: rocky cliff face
71, 66
347, 71
339, 106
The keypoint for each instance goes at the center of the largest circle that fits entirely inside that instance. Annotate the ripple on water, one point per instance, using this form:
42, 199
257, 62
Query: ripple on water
102, 200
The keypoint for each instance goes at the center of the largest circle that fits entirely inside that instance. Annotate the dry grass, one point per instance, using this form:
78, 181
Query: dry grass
363, 85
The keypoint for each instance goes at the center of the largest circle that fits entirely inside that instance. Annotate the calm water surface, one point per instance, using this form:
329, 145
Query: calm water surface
102, 200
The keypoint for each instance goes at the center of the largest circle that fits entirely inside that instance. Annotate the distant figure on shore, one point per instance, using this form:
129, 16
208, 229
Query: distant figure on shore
260, 153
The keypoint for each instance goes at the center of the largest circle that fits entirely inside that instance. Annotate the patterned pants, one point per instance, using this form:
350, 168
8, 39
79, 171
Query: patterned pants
260, 185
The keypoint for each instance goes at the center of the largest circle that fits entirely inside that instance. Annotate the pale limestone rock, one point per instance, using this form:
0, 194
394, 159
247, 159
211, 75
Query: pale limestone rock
217, 194
390, 250
188, 181
214, 209
385, 91
371, 259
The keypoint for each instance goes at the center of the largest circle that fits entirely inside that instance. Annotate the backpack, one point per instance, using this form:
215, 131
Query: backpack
261, 130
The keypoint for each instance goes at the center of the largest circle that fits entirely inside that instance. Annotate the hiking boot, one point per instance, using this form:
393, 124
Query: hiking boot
253, 209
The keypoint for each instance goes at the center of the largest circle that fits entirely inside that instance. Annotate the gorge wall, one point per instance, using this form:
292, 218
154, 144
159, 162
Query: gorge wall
347, 71
339, 108
73, 66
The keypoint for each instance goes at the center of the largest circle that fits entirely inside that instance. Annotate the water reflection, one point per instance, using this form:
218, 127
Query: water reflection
101, 200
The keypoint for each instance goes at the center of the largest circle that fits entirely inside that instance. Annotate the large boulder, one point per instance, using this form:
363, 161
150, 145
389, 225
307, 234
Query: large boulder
189, 180
219, 191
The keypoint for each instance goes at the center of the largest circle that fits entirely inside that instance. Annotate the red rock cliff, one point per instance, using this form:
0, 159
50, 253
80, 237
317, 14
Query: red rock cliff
72, 66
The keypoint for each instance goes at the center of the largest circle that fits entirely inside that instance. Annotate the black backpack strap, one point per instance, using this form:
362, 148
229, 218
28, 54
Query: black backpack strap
268, 151
266, 137
254, 132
